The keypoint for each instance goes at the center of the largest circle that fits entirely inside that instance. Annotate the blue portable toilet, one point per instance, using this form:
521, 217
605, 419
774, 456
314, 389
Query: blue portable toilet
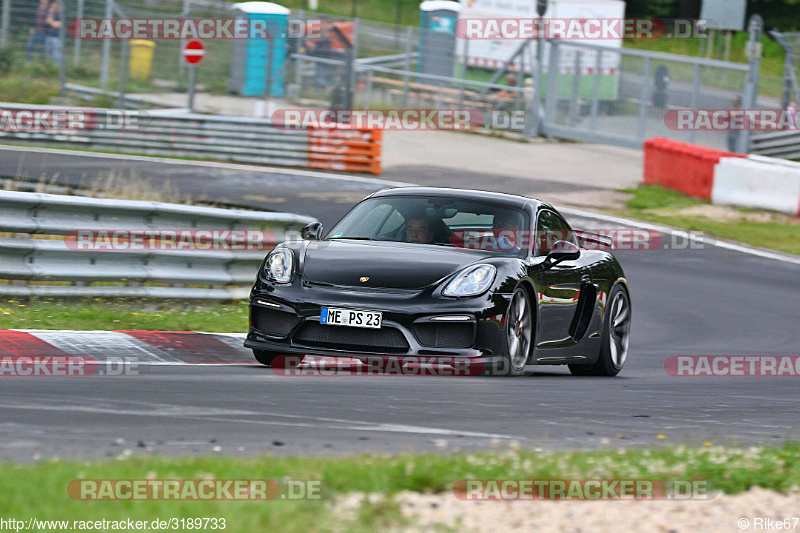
250, 56
437, 37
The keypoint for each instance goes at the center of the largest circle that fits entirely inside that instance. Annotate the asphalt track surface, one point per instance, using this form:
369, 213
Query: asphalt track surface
709, 301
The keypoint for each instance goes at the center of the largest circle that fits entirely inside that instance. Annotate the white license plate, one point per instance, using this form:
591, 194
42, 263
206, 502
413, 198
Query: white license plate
333, 316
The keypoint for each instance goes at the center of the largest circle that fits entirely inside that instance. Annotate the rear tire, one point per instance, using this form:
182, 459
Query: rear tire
616, 338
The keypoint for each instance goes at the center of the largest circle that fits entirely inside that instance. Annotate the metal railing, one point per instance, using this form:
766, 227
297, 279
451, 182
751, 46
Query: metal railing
227, 138
784, 144
132, 271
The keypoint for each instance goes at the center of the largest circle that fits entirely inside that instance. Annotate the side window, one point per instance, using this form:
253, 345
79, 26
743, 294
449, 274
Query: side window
551, 228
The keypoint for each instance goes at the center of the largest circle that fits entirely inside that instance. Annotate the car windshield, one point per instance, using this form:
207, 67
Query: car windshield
465, 224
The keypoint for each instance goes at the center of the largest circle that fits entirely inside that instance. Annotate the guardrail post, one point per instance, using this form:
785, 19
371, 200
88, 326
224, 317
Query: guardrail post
106, 50
642, 129
4, 23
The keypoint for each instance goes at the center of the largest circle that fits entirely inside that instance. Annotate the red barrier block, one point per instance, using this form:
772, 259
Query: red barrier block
682, 167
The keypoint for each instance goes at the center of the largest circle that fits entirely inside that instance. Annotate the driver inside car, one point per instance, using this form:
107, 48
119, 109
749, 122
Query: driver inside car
419, 230
506, 227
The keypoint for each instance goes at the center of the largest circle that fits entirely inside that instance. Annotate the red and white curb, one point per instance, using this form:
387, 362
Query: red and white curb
146, 347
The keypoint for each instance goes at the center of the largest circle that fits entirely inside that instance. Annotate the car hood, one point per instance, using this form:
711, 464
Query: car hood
386, 264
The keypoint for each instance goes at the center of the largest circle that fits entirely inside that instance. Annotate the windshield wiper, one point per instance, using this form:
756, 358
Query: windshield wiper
352, 238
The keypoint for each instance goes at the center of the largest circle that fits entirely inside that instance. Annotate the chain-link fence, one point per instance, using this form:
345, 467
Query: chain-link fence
583, 92
624, 96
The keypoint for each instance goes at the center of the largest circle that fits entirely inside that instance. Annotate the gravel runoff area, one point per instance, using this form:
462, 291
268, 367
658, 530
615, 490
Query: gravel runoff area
748, 511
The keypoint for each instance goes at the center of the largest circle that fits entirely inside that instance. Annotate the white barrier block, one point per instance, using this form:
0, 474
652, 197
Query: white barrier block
757, 183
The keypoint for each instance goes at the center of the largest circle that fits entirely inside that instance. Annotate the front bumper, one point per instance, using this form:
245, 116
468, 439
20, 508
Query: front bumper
406, 315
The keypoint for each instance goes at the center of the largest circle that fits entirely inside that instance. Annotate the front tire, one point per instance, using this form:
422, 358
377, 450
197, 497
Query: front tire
519, 337
616, 338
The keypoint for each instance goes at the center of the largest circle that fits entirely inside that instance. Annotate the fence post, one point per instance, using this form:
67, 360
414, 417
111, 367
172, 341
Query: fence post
123, 72
185, 12
576, 85
788, 73
695, 98
407, 65
76, 46
268, 80
642, 130
369, 88
463, 73
106, 50
755, 29
552, 84
62, 60
299, 65
596, 90
4, 23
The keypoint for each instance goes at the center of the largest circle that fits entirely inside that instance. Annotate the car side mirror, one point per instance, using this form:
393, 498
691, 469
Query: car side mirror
312, 232
562, 251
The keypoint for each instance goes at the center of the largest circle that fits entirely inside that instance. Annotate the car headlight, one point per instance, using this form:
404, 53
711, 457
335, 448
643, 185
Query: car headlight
279, 265
471, 281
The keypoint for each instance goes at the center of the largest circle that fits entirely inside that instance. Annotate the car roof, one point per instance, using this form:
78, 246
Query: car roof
462, 194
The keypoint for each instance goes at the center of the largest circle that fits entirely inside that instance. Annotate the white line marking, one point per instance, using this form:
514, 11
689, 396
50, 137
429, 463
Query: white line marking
212, 414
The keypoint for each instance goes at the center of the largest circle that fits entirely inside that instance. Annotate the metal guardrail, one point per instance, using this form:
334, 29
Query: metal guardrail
784, 144
225, 274
237, 139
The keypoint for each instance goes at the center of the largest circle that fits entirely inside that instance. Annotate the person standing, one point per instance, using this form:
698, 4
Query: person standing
733, 134
792, 112
53, 41
38, 30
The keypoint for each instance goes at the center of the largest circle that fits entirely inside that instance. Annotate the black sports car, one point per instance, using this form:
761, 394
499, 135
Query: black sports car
492, 278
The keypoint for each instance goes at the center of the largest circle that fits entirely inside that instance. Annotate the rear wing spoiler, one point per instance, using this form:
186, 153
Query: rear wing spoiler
594, 240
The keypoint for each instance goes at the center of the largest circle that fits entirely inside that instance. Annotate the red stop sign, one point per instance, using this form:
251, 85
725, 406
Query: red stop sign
193, 52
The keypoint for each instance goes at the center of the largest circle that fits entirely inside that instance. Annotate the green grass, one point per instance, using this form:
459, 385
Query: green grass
129, 314
40, 489
664, 206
